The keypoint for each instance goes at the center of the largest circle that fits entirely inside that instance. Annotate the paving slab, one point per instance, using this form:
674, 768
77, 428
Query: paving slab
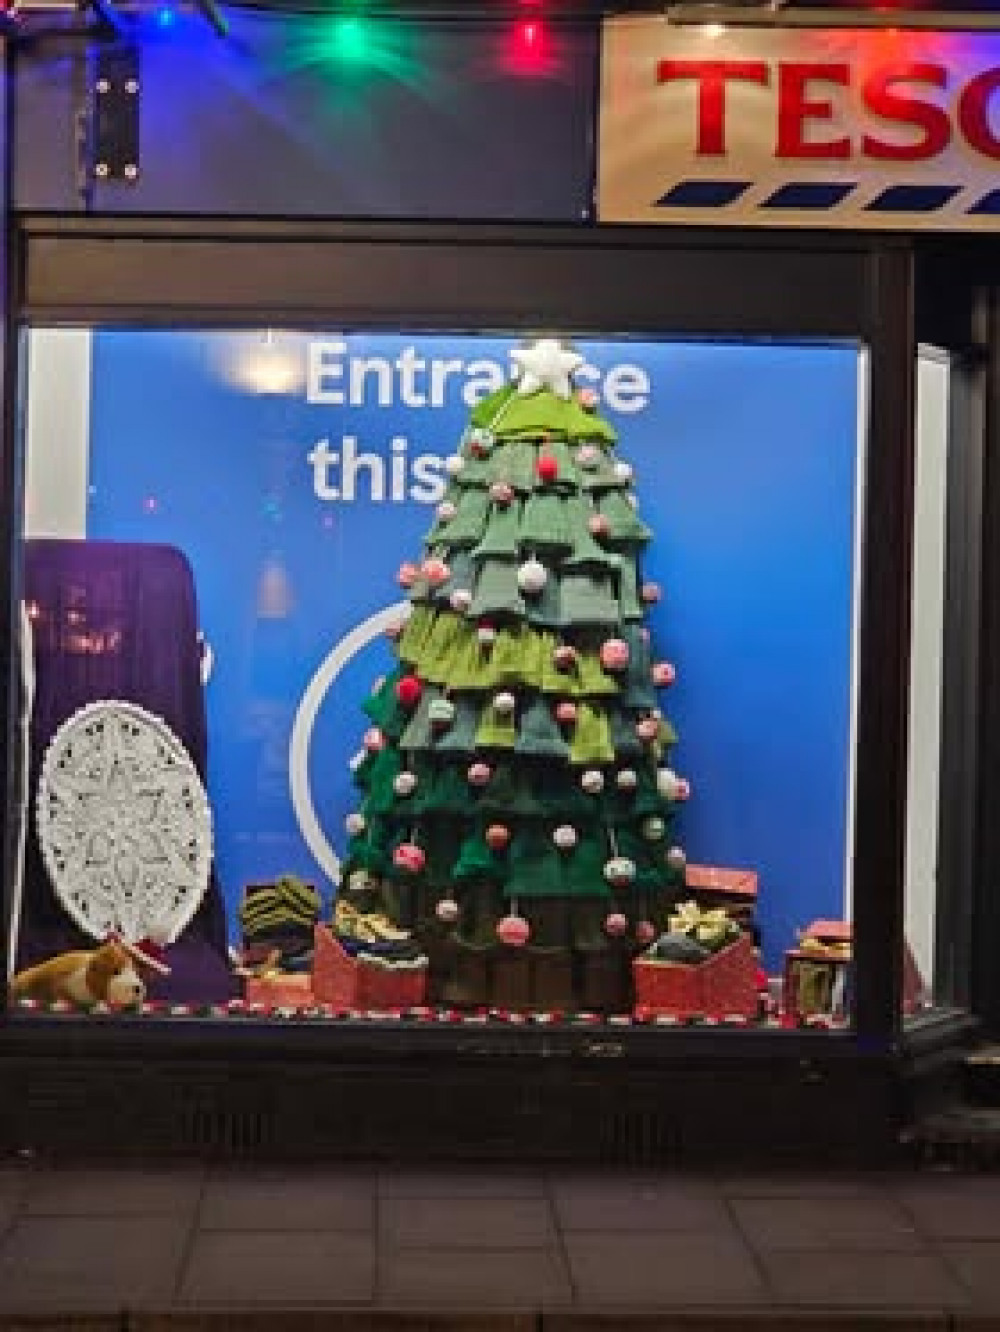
517, 1278
976, 1264
406, 1182
803, 1185
113, 1191
827, 1223
661, 1270
863, 1280
637, 1203
241, 1268
271, 1200
953, 1208
76, 1263
465, 1223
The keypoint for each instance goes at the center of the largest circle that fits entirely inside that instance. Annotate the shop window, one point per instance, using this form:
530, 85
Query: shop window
359, 676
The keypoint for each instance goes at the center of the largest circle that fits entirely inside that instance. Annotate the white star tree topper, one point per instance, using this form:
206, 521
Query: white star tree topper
546, 364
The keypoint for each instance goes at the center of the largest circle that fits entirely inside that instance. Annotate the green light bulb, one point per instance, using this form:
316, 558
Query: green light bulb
349, 40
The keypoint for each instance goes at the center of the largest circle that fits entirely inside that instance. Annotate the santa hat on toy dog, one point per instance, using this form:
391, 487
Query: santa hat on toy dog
149, 953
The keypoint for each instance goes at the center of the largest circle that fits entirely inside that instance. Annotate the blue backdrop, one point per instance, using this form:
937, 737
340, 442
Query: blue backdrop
296, 478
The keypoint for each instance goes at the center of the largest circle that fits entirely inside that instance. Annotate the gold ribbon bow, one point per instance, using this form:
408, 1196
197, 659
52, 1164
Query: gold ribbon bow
689, 918
839, 950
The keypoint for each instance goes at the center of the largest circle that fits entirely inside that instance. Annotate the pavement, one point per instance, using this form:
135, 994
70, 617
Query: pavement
381, 1249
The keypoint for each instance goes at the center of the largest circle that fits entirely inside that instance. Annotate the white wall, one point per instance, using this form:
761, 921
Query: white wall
860, 471
58, 432
926, 656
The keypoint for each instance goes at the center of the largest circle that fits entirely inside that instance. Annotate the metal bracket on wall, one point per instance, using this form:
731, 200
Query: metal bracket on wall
116, 94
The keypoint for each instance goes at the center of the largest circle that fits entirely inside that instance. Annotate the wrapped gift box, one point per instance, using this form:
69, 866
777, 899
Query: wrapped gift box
288, 990
351, 982
734, 890
819, 980
292, 931
721, 986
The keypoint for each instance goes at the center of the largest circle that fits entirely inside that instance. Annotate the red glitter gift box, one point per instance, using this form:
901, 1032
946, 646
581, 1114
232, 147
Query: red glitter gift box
723, 985
289, 990
348, 982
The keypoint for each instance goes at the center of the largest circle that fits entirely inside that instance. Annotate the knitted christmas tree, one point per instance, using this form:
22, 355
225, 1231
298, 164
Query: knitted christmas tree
516, 801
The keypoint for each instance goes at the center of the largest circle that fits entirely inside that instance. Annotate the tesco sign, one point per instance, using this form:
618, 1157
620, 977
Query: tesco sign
779, 126
891, 93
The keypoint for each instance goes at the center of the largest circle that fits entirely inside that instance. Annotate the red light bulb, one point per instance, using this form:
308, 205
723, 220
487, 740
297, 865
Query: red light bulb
528, 50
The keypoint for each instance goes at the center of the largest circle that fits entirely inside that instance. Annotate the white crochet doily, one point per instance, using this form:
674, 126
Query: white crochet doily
123, 823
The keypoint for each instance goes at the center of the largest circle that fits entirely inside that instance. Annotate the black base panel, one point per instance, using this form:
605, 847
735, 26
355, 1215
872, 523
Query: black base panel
776, 1113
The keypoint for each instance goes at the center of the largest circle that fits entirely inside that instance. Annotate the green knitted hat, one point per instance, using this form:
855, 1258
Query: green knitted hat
476, 860
588, 598
501, 537
626, 527
469, 522
418, 732
459, 739
544, 523
539, 735
591, 743
496, 730
497, 592
536, 866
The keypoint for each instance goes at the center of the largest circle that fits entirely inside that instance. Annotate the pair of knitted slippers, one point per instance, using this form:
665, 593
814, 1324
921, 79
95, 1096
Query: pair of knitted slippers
371, 932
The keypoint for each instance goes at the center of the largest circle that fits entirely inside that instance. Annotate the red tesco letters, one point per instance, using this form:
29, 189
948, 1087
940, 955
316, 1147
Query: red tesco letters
806, 92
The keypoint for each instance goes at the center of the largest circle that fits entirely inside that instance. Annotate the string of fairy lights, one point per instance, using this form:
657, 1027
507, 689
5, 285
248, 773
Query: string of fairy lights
355, 30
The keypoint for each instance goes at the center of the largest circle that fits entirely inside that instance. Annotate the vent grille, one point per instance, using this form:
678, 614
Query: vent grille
223, 1131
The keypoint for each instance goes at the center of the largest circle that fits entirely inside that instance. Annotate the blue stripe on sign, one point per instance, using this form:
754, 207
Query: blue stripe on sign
702, 193
913, 198
989, 203
808, 194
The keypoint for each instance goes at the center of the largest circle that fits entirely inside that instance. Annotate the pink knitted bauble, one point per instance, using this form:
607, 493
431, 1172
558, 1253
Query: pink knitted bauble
645, 932
614, 654
435, 571
497, 836
513, 930
615, 924
409, 857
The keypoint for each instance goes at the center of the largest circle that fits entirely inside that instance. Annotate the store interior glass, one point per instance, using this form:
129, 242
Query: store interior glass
456, 677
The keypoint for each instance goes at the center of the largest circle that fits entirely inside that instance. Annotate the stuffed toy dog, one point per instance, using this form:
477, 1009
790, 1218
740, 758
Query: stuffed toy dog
105, 975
